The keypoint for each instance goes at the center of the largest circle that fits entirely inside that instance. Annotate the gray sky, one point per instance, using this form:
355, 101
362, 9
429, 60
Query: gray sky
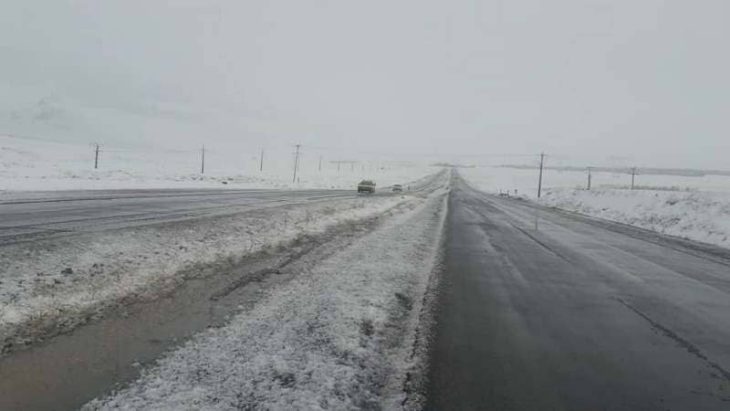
588, 80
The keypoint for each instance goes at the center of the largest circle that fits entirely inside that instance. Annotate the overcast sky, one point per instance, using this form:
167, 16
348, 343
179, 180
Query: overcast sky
585, 80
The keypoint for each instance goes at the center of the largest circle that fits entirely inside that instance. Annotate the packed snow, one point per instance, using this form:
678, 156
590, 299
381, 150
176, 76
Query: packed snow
338, 337
33, 164
697, 208
57, 283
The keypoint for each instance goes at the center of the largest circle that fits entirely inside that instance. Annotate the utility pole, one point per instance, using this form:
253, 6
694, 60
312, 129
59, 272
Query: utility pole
202, 160
96, 157
589, 178
296, 163
261, 162
539, 182
633, 176
320, 164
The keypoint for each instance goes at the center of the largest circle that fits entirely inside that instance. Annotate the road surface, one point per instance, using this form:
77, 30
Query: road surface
28, 216
543, 310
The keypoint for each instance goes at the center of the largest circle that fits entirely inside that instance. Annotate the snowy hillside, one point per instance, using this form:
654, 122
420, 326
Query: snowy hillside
27, 164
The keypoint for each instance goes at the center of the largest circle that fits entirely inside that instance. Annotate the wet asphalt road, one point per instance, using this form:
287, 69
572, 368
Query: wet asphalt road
544, 310
28, 216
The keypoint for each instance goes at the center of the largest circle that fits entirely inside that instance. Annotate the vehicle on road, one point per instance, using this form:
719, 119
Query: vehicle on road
397, 188
366, 186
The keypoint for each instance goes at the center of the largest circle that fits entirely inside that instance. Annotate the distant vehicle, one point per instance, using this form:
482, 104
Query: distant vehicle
397, 188
366, 186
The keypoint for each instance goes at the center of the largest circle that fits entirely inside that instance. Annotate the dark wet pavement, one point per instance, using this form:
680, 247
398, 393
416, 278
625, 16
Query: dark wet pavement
542, 310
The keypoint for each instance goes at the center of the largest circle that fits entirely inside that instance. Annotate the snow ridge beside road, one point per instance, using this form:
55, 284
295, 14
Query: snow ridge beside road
338, 337
51, 286
695, 215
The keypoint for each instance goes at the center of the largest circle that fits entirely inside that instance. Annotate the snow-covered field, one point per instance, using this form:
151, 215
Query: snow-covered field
64, 280
503, 179
697, 208
338, 337
27, 164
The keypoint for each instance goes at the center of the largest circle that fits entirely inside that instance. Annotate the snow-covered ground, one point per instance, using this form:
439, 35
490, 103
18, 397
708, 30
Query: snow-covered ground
697, 208
696, 215
338, 337
28, 164
64, 280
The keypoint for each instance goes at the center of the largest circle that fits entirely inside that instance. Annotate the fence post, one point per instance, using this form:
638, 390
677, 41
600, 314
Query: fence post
633, 177
589, 179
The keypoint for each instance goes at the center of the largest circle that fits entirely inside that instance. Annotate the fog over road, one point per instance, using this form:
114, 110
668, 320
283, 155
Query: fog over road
543, 310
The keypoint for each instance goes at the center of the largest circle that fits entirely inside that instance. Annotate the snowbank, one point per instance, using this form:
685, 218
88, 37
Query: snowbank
696, 215
58, 283
338, 337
